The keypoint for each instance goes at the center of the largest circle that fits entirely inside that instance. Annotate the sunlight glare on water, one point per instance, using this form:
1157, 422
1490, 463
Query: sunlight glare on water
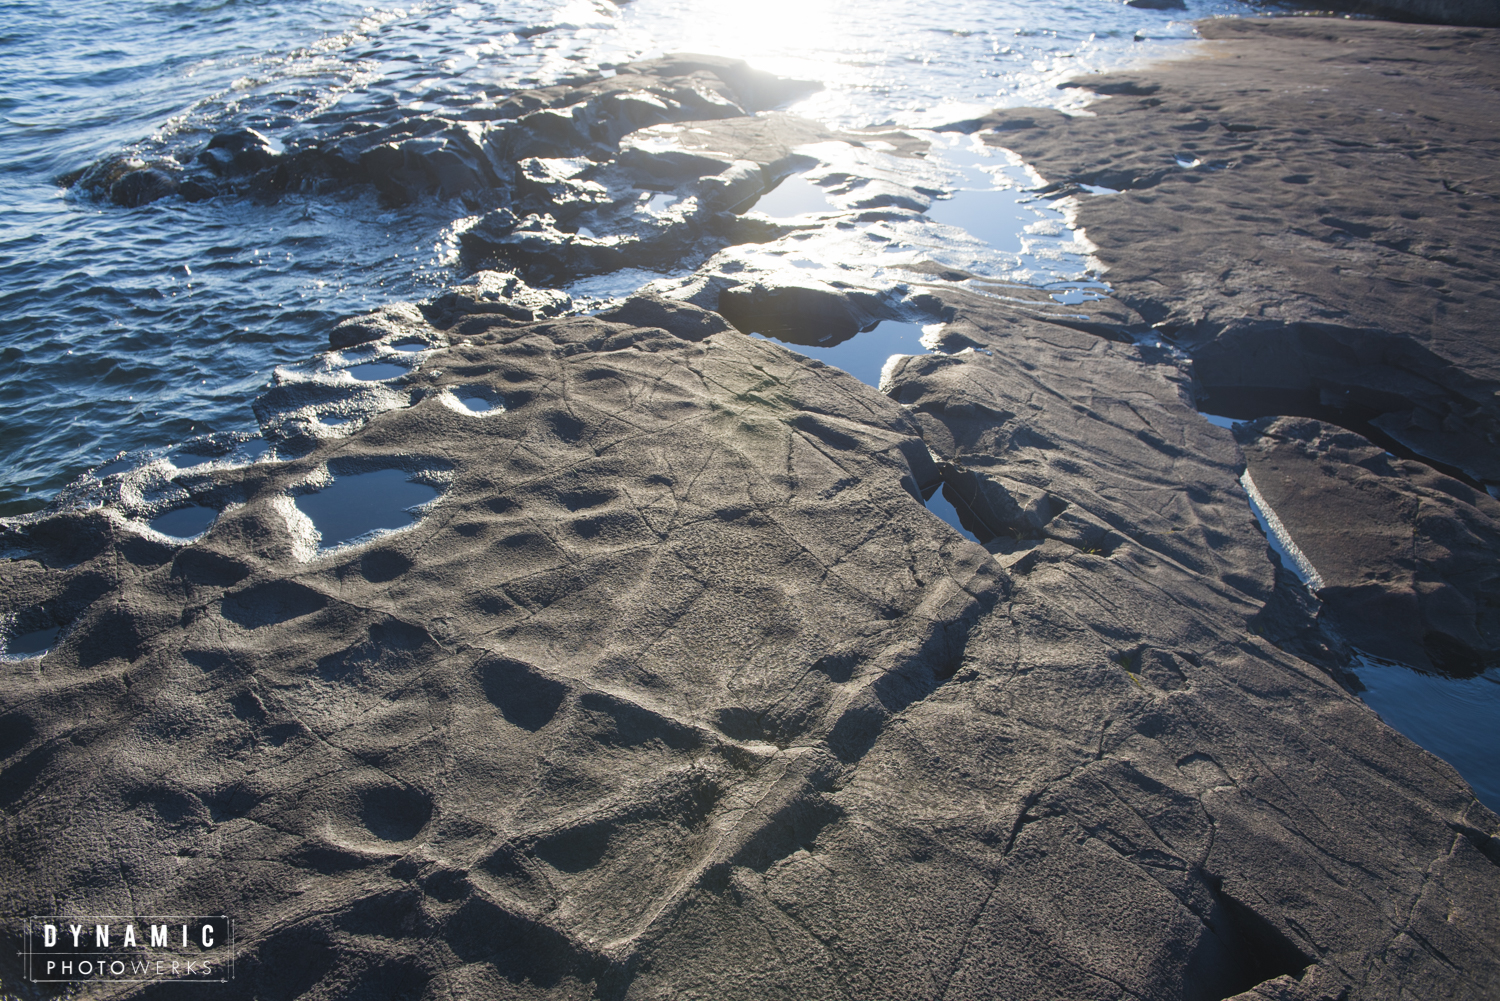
124, 330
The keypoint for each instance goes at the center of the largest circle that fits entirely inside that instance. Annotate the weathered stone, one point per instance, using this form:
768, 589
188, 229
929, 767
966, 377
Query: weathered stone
1303, 221
388, 321
1407, 555
677, 690
494, 292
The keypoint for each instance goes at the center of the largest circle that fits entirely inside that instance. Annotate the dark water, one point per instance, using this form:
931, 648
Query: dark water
1454, 718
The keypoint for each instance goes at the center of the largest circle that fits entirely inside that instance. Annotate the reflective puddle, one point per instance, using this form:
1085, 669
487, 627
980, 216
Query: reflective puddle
794, 196
185, 522
864, 355
1453, 718
187, 460
997, 215
34, 643
660, 202
940, 505
376, 371
354, 506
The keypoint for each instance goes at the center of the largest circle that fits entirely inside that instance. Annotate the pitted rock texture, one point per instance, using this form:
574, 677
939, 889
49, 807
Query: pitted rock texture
1310, 209
1407, 555
679, 691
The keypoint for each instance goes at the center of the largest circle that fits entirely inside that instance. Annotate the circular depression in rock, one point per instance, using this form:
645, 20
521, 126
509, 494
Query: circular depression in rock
185, 522
355, 505
394, 813
376, 371
479, 401
32, 643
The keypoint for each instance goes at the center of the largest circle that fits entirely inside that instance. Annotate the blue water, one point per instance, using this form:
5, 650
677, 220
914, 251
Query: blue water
353, 506
1453, 718
864, 355
129, 329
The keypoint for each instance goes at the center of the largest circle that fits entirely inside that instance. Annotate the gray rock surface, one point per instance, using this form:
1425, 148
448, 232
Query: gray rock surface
1407, 555
676, 690
1314, 220
1479, 13
670, 686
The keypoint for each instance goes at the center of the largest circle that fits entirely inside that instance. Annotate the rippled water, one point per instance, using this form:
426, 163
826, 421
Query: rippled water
130, 329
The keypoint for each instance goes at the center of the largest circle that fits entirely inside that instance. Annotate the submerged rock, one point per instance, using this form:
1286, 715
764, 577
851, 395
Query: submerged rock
128, 181
142, 186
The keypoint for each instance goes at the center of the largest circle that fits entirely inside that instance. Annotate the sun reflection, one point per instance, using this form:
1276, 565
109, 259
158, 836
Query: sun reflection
767, 32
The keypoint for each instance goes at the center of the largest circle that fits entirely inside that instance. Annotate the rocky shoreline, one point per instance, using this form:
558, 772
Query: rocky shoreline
674, 688
1323, 258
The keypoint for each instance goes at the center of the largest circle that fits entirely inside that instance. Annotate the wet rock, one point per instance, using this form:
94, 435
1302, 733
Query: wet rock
665, 198
239, 151
140, 187
474, 153
1407, 555
394, 320
1321, 256
491, 292
127, 180
808, 312
678, 689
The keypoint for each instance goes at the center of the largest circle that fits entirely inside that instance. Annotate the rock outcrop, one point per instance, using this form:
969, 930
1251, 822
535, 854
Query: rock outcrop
469, 152
674, 688
1407, 555
1314, 219
654, 676
1477, 13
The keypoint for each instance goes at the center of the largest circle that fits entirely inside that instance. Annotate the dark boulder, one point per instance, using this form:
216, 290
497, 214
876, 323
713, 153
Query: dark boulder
239, 151
140, 187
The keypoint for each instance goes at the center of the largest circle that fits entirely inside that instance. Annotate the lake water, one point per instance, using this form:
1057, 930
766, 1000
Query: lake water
131, 329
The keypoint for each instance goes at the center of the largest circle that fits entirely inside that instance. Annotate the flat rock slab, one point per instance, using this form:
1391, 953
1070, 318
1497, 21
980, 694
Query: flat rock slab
1407, 555
677, 690
1310, 208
